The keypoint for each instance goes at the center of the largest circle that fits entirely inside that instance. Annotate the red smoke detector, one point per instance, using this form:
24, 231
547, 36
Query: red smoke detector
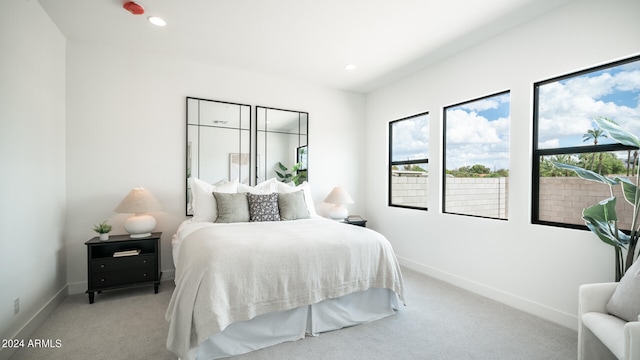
132, 7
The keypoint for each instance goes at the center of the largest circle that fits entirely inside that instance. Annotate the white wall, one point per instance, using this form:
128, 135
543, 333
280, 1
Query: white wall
32, 157
532, 267
126, 128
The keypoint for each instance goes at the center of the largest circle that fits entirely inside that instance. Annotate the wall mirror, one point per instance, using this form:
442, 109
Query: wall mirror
282, 136
218, 142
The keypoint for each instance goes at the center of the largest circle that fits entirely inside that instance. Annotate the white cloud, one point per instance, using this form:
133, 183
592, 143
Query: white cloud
469, 128
481, 105
493, 156
567, 109
472, 139
549, 144
485, 104
411, 138
629, 81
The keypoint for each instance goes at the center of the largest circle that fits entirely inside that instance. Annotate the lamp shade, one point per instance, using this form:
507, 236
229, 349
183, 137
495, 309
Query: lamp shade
338, 196
139, 201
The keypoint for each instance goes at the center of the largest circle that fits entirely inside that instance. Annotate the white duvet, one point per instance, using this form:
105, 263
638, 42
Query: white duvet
234, 272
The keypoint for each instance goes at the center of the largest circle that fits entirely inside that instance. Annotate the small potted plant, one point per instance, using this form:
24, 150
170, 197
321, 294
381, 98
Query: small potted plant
103, 229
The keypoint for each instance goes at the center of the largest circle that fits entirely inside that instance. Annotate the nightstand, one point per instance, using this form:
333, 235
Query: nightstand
107, 272
360, 222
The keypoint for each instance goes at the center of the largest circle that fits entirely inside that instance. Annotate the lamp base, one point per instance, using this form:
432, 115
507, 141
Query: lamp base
338, 212
138, 236
140, 225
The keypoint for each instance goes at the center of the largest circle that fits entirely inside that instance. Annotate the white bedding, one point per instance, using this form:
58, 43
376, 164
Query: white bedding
227, 273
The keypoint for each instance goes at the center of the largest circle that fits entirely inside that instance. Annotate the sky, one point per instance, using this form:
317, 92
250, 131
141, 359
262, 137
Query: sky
477, 132
411, 138
567, 107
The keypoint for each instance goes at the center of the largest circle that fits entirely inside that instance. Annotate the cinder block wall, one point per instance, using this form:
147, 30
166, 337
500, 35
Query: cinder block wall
561, 198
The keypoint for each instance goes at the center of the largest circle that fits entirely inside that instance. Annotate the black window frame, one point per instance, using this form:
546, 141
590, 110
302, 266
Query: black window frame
444, 151
538, 154
403, 162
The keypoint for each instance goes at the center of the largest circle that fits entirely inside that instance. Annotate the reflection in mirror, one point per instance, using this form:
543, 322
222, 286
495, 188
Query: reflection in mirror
218, 142
281, 137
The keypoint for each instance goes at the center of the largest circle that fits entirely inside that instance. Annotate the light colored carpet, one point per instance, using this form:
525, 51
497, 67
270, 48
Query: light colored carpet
440, 321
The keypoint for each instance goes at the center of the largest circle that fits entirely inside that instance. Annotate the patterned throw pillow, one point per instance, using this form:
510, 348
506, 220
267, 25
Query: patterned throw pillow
263, 207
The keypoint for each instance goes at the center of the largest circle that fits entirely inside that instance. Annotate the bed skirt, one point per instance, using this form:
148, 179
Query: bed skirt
290, 325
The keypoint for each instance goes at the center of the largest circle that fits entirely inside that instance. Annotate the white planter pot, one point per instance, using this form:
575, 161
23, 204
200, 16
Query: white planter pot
104, 237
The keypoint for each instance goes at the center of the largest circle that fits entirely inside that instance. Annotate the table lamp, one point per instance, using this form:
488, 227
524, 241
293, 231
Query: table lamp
338, 196
139, 201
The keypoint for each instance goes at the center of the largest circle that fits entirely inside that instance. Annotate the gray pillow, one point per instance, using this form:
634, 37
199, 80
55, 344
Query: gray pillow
263, 207
624, 301
292, 206
232, 207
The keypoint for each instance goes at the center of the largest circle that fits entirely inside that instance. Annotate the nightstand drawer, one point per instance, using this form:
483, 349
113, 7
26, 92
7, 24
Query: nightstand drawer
119, 277
125, 262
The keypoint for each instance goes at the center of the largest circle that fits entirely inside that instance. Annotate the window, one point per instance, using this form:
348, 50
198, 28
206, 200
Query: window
564, 131
476, 157
409, 162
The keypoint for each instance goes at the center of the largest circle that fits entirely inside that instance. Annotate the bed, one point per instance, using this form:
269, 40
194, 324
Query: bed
246, 285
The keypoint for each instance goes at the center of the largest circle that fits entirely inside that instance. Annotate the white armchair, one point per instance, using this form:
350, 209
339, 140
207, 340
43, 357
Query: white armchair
600, 335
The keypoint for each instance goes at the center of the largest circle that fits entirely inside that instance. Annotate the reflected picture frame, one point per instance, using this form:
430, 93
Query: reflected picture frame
239, 167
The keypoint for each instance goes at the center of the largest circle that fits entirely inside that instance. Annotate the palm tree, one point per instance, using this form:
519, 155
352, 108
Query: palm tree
594, 134
633, 163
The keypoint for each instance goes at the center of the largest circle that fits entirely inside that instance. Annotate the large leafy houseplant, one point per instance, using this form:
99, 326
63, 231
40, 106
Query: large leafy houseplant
601, 218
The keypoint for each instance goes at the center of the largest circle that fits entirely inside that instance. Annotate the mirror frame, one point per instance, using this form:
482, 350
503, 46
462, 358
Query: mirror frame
192, 154
297, 154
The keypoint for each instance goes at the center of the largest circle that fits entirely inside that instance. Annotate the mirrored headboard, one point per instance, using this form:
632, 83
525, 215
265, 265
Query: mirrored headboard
218, 142
282, 136
225, 143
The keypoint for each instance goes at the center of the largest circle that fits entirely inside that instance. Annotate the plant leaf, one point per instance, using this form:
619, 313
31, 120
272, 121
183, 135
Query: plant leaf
629, 190
295, 180
617, 133
601, 220
604, 211
282, 167
586, 174
606, 233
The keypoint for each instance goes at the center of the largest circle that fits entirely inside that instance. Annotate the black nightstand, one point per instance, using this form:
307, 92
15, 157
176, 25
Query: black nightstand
360, 222
107, 272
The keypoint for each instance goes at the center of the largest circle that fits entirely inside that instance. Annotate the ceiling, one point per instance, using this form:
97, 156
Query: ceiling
303, 40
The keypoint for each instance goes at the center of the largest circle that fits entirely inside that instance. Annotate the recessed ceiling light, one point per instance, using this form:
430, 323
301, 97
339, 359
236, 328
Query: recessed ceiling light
350, 67
156, 21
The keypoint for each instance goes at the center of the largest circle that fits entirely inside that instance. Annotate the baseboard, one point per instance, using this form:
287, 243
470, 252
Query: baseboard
531, 307
168, 275
78, 287
35, 321
81, 287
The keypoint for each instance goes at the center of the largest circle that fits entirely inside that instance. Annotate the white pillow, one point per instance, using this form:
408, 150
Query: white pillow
204, 204
305, 187
264, 188
624, 301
